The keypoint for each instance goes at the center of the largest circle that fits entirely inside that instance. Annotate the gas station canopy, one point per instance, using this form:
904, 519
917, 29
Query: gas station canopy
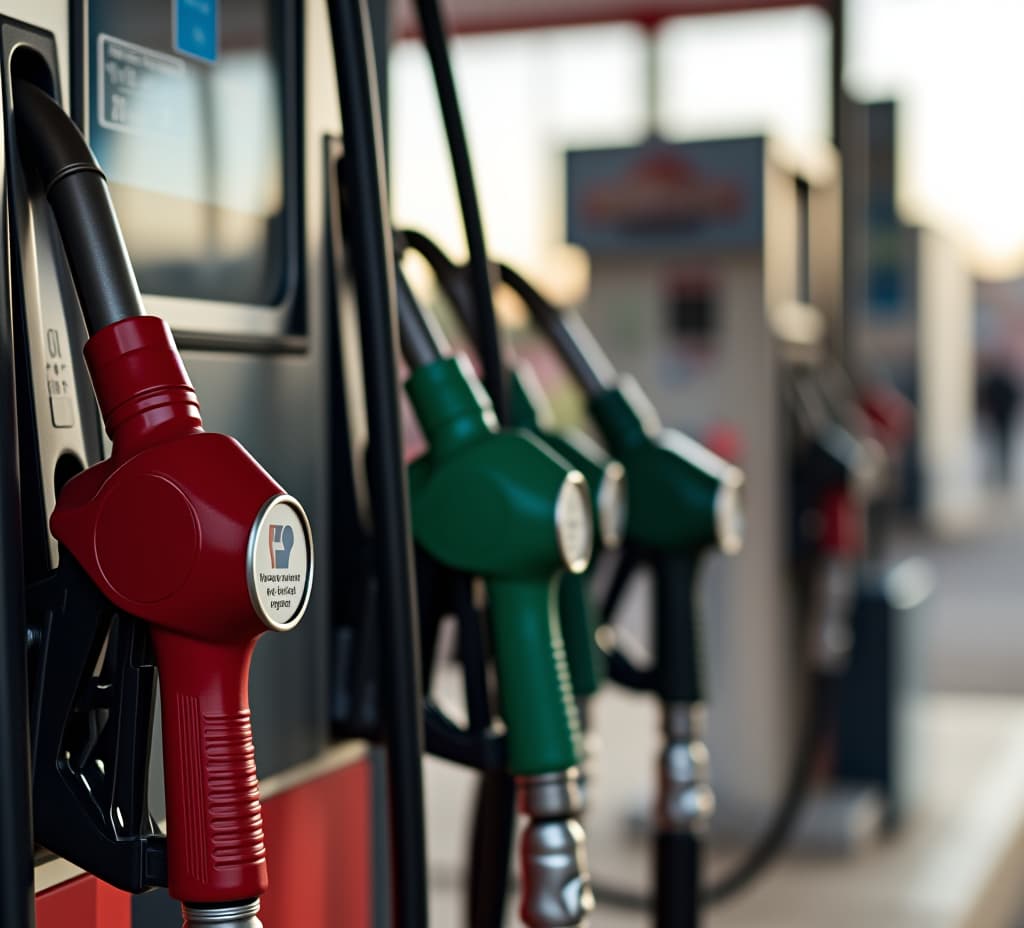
497, 15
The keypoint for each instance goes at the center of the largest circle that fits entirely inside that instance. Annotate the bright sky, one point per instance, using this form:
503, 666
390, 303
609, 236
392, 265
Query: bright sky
955, 66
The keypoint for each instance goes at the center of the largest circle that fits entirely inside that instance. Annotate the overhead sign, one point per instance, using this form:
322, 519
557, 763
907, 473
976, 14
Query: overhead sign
500, 15
692, 196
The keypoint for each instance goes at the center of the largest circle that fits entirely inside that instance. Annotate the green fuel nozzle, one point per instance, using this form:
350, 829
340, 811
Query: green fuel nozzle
498, 504
683, 497
529, 409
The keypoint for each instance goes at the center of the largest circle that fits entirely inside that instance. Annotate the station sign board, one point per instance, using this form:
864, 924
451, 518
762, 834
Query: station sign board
674, 197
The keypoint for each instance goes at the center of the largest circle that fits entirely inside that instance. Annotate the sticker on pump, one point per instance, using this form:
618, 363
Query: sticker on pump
280, 563
138, 90
196, 28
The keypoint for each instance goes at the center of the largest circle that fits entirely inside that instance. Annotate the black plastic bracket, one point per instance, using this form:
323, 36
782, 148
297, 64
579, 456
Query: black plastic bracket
93, 679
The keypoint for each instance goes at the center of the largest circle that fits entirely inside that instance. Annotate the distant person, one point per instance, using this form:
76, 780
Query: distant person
999, 394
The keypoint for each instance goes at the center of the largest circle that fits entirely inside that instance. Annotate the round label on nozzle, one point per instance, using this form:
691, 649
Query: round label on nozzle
574, 523
280, 563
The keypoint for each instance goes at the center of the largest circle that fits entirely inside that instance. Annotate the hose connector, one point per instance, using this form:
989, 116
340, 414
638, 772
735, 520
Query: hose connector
556, 890
231, 915
686, 801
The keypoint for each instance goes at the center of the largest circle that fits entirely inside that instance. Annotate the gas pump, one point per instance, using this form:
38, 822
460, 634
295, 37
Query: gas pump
208, 563
484, 502
716, 272
716, 279
215, 165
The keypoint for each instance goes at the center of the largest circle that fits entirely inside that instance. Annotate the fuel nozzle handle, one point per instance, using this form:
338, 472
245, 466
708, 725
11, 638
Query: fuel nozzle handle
77, 191
179, 527
530, 409
498, 504
183, 529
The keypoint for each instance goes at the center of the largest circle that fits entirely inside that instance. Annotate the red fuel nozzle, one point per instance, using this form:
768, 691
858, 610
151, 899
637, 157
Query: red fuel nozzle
180, 527
183, 529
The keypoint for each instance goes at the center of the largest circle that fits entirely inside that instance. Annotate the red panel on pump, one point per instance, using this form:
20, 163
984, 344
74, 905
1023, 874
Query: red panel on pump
319, 848
84, 903
320, 844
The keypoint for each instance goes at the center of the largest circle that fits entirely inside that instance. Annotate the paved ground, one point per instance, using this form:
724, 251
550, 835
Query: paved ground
975, 634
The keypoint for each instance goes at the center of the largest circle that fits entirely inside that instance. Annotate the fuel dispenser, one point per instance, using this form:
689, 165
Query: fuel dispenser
498, 504
716, 277
911, 321
217, 167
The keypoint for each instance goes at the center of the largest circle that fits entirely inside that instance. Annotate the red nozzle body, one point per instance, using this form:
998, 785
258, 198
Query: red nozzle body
184, 529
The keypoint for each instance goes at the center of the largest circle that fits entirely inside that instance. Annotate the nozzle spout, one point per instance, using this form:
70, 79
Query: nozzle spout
557, 891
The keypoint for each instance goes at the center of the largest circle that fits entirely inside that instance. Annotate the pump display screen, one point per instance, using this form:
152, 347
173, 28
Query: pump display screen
185, 112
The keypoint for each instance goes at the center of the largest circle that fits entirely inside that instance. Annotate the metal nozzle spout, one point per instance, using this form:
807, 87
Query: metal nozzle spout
556, 888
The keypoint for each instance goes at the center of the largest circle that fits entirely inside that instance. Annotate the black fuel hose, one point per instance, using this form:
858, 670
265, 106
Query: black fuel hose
421, 339
80, 199
569, 334
486, 327
450, 275
368, 235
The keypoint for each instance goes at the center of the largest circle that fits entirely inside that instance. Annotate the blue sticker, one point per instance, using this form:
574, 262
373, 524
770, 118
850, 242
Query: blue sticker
196, 28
